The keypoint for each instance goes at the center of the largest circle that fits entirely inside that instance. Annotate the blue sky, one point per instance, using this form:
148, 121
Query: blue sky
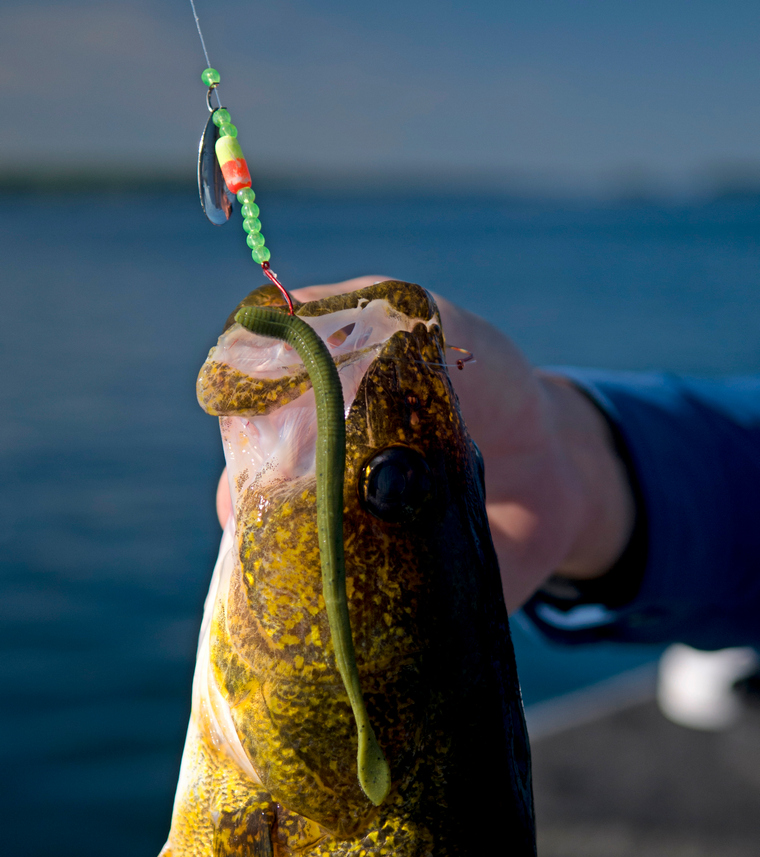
582, 95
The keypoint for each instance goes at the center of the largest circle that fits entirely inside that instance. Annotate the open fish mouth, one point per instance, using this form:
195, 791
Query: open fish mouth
247, 374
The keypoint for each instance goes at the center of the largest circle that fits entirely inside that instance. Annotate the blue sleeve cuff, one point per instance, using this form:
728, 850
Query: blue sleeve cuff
694, 446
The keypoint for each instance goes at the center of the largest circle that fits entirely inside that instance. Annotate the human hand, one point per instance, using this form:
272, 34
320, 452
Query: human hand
558, 498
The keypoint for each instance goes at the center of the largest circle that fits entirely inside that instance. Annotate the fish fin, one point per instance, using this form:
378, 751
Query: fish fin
247, 832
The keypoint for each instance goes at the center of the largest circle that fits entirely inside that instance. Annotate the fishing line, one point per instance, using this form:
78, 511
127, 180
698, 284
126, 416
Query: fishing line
203, 45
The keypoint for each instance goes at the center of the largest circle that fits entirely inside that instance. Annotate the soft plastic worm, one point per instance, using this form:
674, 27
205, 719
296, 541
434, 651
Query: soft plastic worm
374, 773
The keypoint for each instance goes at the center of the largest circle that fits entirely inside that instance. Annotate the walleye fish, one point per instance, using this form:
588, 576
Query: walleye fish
270, 761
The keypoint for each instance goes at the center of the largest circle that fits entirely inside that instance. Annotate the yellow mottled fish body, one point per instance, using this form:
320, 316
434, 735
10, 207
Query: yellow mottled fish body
269, 766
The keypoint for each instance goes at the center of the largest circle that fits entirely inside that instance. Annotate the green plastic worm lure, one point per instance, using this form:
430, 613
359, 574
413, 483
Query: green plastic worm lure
374, 774
229, 174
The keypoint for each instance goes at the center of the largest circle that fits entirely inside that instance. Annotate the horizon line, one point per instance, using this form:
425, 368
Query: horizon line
78, 178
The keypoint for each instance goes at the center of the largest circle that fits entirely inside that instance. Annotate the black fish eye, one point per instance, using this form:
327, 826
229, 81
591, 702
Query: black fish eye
395, 484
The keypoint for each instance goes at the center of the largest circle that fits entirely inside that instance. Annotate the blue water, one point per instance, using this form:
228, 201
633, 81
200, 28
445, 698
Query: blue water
109, 306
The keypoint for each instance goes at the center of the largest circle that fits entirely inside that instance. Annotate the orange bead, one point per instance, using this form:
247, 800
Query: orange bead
232, 164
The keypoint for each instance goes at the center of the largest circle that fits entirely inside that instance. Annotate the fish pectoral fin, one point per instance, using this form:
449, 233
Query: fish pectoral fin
247, 832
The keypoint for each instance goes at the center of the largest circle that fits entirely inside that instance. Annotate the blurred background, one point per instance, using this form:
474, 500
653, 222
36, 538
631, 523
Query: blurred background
585, 174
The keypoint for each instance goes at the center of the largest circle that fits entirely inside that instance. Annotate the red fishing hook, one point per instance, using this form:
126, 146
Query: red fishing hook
273, 277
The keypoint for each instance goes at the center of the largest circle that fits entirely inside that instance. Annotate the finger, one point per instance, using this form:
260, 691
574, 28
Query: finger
223, 499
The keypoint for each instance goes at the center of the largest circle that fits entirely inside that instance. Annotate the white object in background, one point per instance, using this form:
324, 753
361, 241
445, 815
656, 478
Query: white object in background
695, 688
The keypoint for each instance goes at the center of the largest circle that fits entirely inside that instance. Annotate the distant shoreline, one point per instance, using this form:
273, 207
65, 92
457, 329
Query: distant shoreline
103, 179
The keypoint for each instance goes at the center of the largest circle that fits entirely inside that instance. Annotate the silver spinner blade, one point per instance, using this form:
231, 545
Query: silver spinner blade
216, 199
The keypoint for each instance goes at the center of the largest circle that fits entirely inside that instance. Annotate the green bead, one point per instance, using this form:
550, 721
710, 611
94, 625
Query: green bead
252, 223
228, 130
221, 117
250, 209
261, 254
245, 195
210, 76
254, 240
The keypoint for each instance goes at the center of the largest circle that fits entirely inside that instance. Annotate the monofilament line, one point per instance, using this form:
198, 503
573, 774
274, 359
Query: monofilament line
203, 45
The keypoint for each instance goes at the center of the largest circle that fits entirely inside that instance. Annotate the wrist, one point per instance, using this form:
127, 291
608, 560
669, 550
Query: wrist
606, 509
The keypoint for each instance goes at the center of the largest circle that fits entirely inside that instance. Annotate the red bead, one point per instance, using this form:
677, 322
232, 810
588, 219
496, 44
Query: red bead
236, 175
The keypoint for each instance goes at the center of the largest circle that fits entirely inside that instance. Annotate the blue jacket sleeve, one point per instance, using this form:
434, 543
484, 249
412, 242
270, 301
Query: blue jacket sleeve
694, 449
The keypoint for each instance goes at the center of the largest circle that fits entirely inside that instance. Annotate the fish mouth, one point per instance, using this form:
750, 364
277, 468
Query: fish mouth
250, 375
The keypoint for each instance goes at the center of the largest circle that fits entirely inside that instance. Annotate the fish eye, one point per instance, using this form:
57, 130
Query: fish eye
395, 484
